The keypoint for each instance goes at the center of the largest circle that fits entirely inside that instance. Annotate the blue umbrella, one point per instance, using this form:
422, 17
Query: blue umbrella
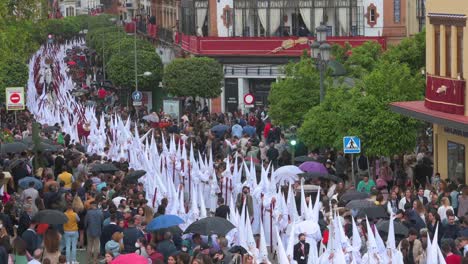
219, 130
164, 221
24, 183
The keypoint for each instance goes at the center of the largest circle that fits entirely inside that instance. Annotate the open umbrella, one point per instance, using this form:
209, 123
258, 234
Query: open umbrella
13, 147
133, 176
400, 229
303, 159
219, 130
71, 63
49, 129
238, 249
51, 217
106, 167
372, 212
48, 147
151, 118
287, 174
132, 258
331, 177
353, 195
24, 183
359, 204
313, 166
210, 226
164, 221
313, 175
29, 141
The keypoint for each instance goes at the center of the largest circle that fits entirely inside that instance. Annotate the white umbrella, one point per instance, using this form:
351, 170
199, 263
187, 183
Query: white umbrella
287, 174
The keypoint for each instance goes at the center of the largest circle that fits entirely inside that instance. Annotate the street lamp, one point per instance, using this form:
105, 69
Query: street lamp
320, 51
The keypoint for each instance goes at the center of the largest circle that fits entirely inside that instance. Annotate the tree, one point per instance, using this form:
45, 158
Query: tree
363, 111
411, 51
298, 92
363, 59
198, 76
121, 70
13, 73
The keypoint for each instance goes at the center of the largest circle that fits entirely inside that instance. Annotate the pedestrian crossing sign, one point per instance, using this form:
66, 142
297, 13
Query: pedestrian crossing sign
352, 145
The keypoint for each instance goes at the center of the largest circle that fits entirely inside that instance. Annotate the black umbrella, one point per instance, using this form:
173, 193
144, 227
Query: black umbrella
48, 147
29, 141
133, 176
106, 167
303, 159
353, 195
373, 212
51, 217
400, 229
210, 226
49, 129
359, 204
331, 177
14, 147
238, 249
313, 175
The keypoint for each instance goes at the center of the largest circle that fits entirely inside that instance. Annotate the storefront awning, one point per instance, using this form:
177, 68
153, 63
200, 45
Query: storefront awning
417, 110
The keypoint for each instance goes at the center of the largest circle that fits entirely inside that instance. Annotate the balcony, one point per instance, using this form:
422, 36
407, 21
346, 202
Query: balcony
259, 46
445, 95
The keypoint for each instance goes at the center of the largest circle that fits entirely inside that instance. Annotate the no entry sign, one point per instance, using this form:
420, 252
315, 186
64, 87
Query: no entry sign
14, 98
249, 99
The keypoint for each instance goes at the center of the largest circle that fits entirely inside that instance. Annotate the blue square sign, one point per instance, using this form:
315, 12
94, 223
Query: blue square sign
351, 145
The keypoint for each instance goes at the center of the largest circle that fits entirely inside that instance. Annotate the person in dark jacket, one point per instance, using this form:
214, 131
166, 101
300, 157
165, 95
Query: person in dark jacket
451, 230
108, 230
93, 224
272, 155
131, 235
301, 250
31, 238
167, 247
222, 210
25, 219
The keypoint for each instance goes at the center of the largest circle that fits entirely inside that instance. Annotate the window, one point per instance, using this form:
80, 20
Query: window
437, 50
448, 51
456, 161
396, 11
372, 16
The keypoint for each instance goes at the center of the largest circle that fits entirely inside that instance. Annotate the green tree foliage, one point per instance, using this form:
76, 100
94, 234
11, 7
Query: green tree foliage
292, 97
194, 77
13, 73
363, 59
121, 70
363, 111
410, 51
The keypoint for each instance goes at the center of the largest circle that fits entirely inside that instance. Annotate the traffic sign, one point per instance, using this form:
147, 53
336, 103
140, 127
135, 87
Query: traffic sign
249, 99
137, 96
351, 145
14, 98
137, 103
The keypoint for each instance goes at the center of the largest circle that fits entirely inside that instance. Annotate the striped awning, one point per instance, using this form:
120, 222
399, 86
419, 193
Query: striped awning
458, 20
450, 16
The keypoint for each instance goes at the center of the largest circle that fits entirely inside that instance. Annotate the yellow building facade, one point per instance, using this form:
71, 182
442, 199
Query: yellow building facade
446, 100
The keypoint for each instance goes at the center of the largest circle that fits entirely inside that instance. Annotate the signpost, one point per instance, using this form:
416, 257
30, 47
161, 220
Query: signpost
14, 99
249, 99
352, 145
137, 97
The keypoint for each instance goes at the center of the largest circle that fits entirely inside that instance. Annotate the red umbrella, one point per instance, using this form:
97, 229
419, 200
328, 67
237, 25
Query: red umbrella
71, 63
130, 258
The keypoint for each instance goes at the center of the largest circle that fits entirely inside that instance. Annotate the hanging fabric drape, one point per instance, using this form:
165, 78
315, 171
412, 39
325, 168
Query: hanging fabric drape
201, 16
275, 20
239, 24
275, 17
318, 16
306, 14
262, 13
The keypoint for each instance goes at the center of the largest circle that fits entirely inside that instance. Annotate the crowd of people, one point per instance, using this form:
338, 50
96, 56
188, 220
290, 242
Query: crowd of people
201, 166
